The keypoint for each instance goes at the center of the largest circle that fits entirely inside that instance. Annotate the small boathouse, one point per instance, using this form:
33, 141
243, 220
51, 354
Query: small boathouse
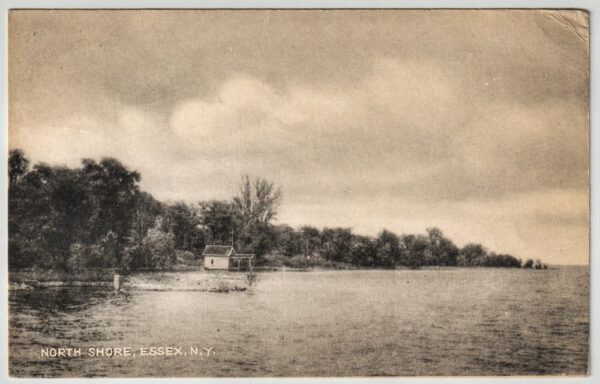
224, 257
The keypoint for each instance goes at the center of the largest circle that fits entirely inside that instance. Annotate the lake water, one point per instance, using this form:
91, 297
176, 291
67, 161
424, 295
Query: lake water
320, 323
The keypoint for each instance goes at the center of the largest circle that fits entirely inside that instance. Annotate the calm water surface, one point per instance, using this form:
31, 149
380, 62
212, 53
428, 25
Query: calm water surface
320, 323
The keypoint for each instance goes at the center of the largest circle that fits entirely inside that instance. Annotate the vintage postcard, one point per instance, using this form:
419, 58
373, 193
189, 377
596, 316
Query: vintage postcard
314, 193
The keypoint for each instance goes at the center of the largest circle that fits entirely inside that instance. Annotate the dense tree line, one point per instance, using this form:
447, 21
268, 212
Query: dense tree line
96, 216
387, 250
92, 216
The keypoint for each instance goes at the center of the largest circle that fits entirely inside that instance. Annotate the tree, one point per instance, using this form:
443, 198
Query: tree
253, 209
336, 243
505, 261
184, 223
261, 240
416, 250
143, 216
217, 218
49, 214
54, 208
111, 254
472, 255
19, 198
311, 240
388, 249
287, 240
159, 246
112, 191
363, 251
18, 165
443, 250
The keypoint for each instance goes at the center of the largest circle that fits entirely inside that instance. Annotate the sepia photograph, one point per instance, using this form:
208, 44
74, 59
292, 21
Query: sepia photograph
298, 193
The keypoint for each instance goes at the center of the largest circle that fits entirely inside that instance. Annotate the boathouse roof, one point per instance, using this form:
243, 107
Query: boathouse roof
218, 250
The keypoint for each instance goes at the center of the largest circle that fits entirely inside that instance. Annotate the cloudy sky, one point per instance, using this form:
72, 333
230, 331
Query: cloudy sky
472, 121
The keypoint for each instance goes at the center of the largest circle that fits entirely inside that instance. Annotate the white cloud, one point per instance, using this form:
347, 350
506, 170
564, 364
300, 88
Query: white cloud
383, 111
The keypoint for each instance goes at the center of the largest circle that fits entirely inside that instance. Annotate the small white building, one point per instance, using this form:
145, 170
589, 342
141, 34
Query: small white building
224, 257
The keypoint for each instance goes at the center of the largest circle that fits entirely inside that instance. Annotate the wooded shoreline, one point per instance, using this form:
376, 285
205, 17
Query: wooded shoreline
75, 220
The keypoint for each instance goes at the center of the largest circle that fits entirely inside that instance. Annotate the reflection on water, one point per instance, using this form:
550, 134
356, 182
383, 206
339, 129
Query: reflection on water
330, 323
64, 299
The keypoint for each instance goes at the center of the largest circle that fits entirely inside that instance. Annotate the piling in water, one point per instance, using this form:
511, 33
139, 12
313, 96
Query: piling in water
117, 282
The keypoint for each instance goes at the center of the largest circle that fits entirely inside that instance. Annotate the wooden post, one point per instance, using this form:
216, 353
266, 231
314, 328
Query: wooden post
117, 282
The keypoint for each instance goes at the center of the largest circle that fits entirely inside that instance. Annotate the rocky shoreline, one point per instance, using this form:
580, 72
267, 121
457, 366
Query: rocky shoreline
163, 281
